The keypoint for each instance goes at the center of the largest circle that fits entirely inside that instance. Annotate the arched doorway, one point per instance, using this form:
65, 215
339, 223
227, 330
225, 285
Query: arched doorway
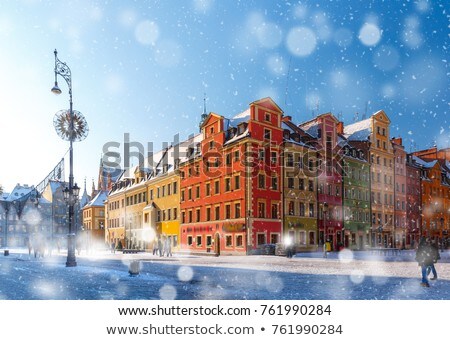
217, 244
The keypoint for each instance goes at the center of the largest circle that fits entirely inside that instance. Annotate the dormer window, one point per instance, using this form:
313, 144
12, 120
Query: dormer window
361, 154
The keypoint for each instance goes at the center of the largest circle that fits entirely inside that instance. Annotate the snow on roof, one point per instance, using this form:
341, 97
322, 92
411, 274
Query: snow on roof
237, 119
359, 131
311, 127
423, 163
18, 192
98, 200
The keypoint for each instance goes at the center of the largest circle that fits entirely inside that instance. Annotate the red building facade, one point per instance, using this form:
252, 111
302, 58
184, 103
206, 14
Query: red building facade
231, 186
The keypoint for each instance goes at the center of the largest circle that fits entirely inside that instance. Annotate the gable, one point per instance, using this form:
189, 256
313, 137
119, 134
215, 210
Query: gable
381, 116
267, 103
212, 117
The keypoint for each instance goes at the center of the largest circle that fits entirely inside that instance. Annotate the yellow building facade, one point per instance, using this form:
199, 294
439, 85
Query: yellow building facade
162, 214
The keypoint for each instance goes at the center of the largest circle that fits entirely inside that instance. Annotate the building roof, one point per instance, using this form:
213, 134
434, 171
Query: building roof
424, 164
98, 200
18, 192
359, 131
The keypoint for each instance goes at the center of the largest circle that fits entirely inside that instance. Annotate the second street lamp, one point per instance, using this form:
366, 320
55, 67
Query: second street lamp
71, 126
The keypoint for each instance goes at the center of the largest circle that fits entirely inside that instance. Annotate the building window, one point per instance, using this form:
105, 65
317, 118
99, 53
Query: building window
190, 240
228, 241
197, 215
261, 210
199, 241
261, 181
207, 189
237, 182
217, 213
208, 214
274, 210
237, 210
209, 241
267, 134
227, 211
197, 191
228, 159
227, 184
175, 213
301, 184
216, 187
311, 209
311, 185
289, 160
260, 238
290, 183
183, 217
302, 209
267, 117
236, 156
175, 187
239, 241
274, 183
291, 210
190, 216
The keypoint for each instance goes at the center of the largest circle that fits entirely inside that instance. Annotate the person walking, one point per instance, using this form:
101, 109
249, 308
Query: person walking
155, 246
424, 258
435, 257
168, 246
160, 247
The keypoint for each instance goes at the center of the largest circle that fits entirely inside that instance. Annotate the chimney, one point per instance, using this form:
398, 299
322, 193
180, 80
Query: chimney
340, 128
397, 140
287, 119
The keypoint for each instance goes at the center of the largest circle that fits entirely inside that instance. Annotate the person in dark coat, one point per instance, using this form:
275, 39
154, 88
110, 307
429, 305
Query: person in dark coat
424, 257
436, 257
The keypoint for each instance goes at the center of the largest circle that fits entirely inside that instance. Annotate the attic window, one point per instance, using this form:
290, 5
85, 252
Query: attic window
211, 130
267, 117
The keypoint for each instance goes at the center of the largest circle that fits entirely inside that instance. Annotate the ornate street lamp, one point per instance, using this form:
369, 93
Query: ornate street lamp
71, 126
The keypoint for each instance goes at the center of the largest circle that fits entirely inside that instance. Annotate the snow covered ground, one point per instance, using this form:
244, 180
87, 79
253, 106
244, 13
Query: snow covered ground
345, 275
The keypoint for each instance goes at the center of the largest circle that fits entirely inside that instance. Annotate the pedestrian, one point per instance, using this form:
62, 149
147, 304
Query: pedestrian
30, 247
424, 258
113, 247
435, 257
289, 247
155, 246
160, 247
168, 247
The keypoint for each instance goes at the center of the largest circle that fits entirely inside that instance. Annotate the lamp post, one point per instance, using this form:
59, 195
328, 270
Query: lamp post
70, 125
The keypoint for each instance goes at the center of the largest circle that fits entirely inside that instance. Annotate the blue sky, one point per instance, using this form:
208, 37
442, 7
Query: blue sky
142, 67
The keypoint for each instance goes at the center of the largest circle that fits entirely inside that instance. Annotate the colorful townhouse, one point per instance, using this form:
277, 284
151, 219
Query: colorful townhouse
373, 133
413, 203
162, 214
324, 130
124, 210
231, 187
435, 185
94, 221
400, 195
299, 160
356, 200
